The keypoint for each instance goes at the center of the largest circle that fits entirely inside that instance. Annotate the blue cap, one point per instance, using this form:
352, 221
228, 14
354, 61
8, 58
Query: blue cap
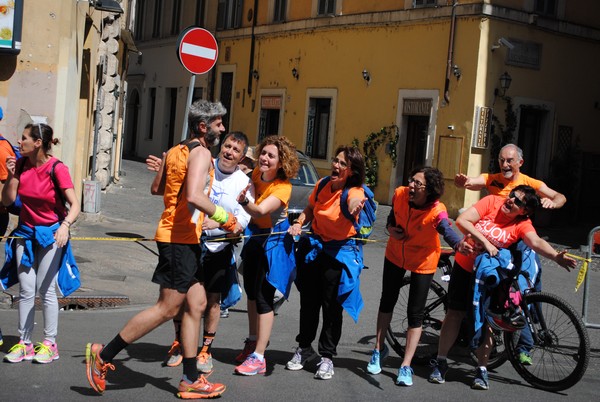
1, 113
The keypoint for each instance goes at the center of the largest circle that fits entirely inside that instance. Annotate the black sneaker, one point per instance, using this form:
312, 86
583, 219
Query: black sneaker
440, 368
481, 380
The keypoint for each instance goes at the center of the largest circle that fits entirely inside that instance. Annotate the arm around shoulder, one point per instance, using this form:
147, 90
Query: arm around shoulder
551, 199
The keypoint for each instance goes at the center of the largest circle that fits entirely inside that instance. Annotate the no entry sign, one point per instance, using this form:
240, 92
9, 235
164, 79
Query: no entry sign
197, 50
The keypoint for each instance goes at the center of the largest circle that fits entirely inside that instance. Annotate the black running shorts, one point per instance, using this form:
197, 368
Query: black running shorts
179, 266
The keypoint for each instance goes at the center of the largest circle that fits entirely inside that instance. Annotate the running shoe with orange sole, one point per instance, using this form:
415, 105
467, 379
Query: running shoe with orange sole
204, 363
200, 389
174, 356
95, 368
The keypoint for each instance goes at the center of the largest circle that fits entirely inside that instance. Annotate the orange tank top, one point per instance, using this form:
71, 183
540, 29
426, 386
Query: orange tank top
178, 223
420, 251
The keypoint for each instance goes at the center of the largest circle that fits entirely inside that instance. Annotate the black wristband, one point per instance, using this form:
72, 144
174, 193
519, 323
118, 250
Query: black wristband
244, 202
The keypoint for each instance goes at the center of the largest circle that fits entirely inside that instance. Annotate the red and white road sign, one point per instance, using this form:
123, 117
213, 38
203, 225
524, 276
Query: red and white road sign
197, 50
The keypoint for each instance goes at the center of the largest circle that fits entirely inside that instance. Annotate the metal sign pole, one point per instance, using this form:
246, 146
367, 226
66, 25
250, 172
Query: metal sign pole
187, 107
589, 255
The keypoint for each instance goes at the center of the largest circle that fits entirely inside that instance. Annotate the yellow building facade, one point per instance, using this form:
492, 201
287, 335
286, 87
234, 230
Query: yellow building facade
324, 73
329, 72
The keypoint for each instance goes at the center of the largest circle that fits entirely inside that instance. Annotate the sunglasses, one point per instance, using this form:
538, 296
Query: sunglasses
517, 201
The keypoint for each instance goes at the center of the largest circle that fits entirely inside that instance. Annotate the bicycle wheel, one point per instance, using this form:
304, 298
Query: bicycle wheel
435, 311
498, 355
561, 348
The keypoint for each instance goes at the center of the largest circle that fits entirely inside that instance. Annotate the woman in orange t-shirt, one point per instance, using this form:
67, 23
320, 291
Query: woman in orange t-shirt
267, 254
416, 219
493, 223
329, 260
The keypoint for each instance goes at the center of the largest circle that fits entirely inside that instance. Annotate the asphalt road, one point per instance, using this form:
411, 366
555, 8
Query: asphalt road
126, 268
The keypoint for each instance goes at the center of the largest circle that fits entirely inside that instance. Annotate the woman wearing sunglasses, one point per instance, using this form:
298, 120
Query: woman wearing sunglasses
493, 223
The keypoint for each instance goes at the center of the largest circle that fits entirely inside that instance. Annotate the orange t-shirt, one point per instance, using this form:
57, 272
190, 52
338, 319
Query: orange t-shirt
328, 220
6, 150
496, 227
497, 184
281, 189
176, 224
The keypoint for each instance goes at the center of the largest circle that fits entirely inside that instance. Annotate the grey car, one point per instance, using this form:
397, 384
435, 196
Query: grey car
302, 186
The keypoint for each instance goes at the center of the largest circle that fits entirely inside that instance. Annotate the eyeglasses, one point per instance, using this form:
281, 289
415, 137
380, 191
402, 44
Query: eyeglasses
343, 165
416, 183
517, 201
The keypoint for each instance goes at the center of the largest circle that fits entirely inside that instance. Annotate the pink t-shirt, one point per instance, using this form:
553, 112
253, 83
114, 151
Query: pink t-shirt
41, 205
496, 227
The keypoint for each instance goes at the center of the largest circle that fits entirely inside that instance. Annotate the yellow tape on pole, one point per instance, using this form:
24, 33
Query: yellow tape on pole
582, 270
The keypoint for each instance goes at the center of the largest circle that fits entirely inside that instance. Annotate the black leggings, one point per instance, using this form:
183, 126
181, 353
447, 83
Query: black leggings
393, 276
256, 285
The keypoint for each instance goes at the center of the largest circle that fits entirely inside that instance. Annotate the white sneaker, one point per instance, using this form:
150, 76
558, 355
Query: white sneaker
300, 358
325, 371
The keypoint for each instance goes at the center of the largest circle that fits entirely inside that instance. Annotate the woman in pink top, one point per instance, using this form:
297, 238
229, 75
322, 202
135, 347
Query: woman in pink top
43, 184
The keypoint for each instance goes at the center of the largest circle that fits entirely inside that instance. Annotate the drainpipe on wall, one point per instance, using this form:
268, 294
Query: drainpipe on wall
450, 53
252, 40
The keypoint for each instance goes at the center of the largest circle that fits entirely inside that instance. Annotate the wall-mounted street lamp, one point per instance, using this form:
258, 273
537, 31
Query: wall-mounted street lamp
366, 76
505, 81
295, 73
456, 71
255, 74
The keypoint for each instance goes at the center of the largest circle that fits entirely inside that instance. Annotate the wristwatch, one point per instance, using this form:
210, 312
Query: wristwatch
244, 202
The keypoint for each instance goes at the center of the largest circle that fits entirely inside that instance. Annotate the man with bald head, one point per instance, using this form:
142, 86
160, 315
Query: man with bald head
510, 160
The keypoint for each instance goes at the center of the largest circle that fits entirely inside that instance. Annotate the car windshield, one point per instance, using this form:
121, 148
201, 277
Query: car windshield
307, 174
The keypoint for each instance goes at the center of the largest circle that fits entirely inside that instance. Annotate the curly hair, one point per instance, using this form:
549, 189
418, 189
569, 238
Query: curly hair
287, 156
356, 162
434, 182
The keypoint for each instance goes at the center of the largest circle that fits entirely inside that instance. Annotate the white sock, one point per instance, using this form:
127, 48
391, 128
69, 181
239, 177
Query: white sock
259, 356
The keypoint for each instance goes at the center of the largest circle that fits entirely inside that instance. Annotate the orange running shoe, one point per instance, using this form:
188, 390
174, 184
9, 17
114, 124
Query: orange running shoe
95, 368
174, 356
200, 389
204, 363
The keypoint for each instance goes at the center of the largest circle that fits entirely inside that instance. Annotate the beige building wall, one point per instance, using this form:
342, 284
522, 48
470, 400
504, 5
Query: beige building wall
54, 78
43, 78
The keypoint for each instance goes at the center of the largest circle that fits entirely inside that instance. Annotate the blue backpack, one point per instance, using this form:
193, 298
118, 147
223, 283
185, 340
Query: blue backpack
15, 207
366, 218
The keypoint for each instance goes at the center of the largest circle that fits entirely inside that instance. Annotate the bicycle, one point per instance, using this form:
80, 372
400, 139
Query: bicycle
434, 313
561, 348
